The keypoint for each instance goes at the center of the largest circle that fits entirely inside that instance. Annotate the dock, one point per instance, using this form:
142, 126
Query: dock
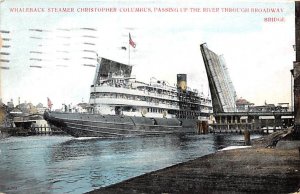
255, 122
32, 125
19, 131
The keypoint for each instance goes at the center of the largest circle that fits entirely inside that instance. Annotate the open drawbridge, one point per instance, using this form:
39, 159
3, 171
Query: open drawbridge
228, 116
222, 90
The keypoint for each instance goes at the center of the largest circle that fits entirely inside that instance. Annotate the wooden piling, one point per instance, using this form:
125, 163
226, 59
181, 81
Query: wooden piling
247, 137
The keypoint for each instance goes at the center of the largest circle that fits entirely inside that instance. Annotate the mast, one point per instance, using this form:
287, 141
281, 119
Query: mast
129, 51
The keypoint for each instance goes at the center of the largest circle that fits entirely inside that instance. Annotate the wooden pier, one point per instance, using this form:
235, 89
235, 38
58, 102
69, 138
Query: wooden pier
19, 131
261, 122
32, 125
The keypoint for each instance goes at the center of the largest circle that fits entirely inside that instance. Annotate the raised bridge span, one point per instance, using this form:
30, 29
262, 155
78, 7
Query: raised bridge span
227, 116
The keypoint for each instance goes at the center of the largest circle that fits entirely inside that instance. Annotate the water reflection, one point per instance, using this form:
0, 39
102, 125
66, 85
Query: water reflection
107, 161
74, 148
55, 164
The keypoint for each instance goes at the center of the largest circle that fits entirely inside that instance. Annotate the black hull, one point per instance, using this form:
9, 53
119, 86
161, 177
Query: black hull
94, 125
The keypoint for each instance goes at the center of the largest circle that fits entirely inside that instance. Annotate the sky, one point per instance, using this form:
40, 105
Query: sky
258, 54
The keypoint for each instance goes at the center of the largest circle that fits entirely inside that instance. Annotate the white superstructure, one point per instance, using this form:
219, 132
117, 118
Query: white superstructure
115, 92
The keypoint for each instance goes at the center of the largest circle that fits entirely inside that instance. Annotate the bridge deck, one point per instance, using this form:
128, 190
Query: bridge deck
275, 113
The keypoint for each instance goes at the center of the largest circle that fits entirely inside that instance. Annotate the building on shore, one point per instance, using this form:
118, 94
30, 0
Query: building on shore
243, 105
296, 72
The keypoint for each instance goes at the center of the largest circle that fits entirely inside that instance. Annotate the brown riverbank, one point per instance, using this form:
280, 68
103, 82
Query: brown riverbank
252, 170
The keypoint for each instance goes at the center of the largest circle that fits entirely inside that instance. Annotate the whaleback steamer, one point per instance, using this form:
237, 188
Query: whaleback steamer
122, 106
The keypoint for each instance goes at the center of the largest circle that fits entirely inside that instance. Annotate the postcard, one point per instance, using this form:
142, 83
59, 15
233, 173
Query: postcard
50, 55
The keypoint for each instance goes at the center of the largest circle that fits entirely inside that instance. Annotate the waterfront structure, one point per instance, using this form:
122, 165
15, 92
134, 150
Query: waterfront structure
243, 105
236, 115
24, 119
253, 121
31, 124
40, 108
121, 105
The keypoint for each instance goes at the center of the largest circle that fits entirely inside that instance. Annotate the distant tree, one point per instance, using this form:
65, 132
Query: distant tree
2, 113
27, 108
39, 105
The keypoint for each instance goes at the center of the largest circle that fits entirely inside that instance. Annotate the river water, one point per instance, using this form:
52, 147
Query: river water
63, 164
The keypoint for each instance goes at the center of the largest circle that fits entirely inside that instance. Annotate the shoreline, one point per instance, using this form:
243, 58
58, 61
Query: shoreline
263, 168
7, 132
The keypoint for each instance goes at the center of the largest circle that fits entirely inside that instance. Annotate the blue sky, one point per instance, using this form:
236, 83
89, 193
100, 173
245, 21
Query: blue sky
259, 54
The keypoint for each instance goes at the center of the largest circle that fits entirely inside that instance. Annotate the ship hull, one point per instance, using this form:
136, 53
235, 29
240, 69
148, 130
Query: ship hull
95, 125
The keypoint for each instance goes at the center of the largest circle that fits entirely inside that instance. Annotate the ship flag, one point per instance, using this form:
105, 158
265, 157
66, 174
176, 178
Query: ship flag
49, 103
131, 41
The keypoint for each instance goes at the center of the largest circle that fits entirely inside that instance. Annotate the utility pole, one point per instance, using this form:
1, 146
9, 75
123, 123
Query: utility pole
296, 72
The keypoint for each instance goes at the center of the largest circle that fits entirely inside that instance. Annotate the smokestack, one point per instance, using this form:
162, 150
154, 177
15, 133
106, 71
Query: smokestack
181, 82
